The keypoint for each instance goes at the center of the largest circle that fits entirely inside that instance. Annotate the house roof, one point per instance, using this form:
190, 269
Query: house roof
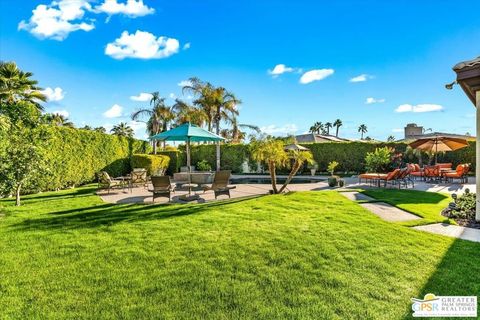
313, 137
434, 134
468, 77
467, 64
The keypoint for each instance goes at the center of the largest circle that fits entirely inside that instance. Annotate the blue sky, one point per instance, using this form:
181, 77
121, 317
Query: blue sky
101, 53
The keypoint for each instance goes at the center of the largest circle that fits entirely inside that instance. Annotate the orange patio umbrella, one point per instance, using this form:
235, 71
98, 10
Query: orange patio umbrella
439, 144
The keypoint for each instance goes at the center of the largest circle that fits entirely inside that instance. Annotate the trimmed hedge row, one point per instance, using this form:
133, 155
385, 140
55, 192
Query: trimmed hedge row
75, 156
175, 160
155, 164
349, 155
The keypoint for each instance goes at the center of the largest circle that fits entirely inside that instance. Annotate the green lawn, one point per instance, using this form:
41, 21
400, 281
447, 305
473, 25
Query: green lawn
427, 205
310, 255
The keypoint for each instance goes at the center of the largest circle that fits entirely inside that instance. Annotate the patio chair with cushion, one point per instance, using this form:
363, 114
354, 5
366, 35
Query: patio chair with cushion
107, 183
162, 187
138, 177
390, 177
404, 177
431, 173
220, 184
416, 171
460, 173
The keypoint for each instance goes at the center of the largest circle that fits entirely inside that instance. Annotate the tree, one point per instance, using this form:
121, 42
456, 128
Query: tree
56, 119
22, 160
272, 151
100, 129
159, 116
362, 129
188, 113
86, 127
317, 128
337, 124
122, 130
17, 85
391, 138
328, 125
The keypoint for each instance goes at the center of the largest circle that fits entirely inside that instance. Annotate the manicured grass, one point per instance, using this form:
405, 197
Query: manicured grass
427, 205
311, 255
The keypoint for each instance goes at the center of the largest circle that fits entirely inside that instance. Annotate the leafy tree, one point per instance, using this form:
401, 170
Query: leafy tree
362, 129
379, 160
22, 160
100, 129
188, 113
337, 124
272, 151
123, 130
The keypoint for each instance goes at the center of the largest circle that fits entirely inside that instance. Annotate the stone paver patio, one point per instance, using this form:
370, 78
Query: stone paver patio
453, 231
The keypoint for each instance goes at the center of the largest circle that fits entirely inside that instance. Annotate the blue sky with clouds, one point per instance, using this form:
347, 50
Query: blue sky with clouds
381, 63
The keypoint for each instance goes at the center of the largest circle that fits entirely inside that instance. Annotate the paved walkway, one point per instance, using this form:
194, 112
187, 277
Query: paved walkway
384, 210
453, 231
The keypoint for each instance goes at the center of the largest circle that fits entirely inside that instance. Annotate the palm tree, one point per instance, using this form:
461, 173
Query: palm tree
122, 130
100, 129
337, 124
16, 85
317, 127
362, 129
86, 127
188, 113
391, 138
159, 116
58, 120
235, 134
218, 104
328, 125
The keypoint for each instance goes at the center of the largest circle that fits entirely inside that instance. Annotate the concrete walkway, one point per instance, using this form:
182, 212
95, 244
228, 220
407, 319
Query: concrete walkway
384, 210
453, 231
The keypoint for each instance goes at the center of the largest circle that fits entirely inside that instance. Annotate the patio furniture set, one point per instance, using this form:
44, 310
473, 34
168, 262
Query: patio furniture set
163, 186
441, 172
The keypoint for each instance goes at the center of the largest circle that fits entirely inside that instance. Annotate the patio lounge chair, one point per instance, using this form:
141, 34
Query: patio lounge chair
460, 173
403, 177
107, 183
390, 177
416, 171
431, 173
138, 177
162, 187
220, 184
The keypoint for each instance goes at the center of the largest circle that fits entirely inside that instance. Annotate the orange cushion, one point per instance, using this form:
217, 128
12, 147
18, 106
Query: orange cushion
417, 167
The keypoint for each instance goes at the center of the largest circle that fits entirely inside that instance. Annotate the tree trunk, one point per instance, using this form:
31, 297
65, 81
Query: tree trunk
218, 146
336, 135
293, 172
154, 146
17, 195
273, 175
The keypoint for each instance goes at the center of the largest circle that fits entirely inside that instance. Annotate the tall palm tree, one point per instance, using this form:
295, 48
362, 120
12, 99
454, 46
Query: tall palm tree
235, 134
16, 85
317, 127
123, 130
337, 124
159, 116
188, 113
58, 120
362, 129
218, 104
328, 125
391, 138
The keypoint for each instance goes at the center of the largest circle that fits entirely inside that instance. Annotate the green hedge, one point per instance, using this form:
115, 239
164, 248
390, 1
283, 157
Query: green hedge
175, 160
231, 155
154, 163
75, 156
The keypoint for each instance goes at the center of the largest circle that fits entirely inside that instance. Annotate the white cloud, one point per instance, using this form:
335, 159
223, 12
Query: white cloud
184, 83
172, 96
280, 69
132, 8
186, 46
419, 108
373, 100
56, 94
58, 19
64, 113
361, 78
114, 112
143, 96
315, 75
142, 45
273, 129
397, 130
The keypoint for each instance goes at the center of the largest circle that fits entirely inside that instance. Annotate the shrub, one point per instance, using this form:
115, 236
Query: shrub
154, 163
204, 166
175, 160
379, 160
332, 166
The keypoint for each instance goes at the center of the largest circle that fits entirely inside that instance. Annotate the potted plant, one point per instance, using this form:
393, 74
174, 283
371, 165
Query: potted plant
313, 168
332, 180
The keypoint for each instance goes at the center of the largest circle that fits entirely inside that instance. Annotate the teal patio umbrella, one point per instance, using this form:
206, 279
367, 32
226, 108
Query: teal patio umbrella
189, 133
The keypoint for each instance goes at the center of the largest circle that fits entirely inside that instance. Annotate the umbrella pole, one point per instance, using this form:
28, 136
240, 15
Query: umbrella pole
189, 169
